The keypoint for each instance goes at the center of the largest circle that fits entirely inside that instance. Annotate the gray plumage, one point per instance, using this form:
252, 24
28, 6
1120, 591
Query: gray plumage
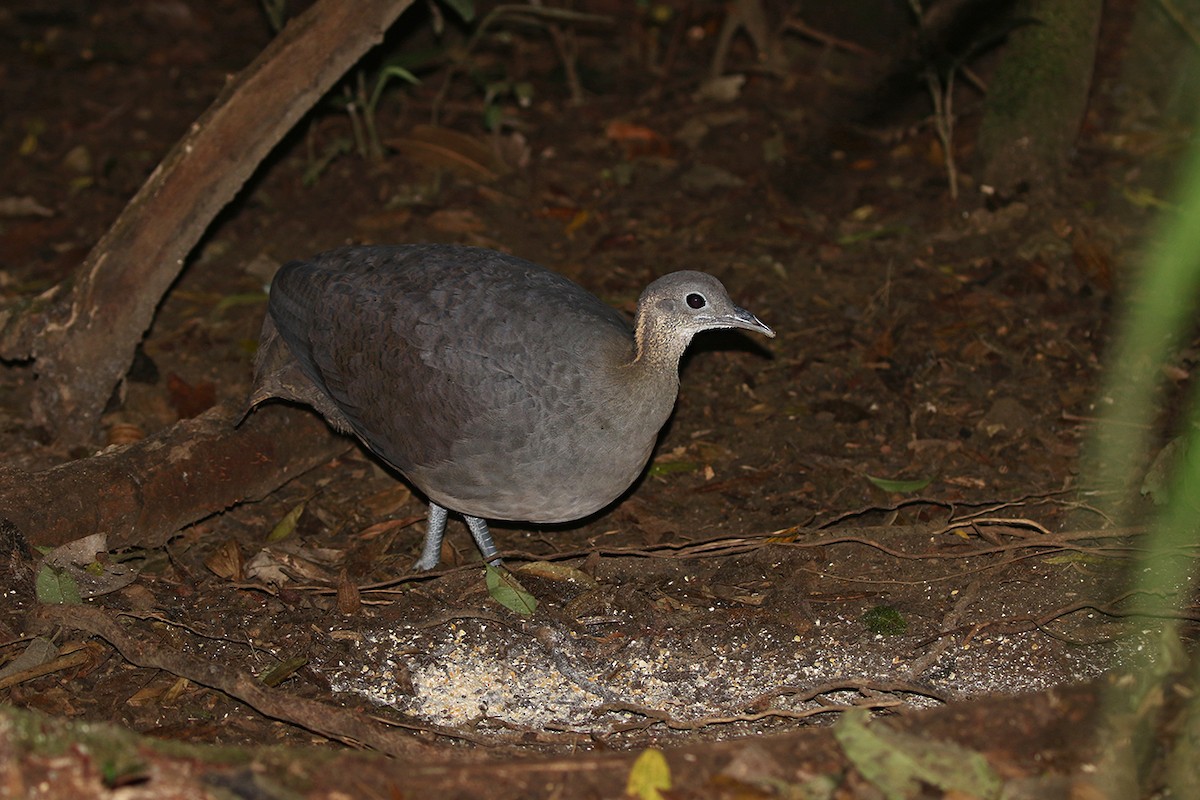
500, 389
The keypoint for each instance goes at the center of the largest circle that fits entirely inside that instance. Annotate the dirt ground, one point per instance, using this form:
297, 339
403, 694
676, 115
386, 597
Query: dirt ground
764, 573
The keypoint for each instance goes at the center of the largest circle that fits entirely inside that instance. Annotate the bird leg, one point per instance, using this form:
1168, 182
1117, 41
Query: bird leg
435, 531
483, 538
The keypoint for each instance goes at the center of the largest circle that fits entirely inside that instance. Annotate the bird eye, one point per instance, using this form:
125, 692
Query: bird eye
696, 301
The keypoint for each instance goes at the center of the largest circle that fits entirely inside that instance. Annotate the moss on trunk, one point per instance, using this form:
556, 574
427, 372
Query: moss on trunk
1039, 94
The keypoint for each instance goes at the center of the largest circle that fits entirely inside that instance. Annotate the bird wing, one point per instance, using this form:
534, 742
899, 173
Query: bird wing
350, 338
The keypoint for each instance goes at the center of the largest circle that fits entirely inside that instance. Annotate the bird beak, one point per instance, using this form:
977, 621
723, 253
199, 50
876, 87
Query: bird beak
741, 318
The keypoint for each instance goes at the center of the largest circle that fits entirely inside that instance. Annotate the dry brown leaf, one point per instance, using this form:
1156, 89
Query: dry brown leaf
620, 130
226, 561
176, 690
348, 598
287, 561
388, 525
638, 140
381, 504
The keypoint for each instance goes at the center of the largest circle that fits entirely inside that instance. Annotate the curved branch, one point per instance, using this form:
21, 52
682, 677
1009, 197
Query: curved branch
82, 336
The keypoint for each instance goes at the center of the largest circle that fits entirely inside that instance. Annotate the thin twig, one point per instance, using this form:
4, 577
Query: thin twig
806, 30
941, 92
658, 717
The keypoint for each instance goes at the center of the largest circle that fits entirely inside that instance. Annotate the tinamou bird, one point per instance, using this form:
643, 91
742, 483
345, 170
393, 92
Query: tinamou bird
499, 389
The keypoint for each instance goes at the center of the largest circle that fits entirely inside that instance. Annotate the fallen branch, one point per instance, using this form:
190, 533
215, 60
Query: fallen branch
829, 40
81, 335
875, 696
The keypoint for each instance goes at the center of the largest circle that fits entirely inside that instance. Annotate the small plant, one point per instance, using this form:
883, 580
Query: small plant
496, 93
361, 108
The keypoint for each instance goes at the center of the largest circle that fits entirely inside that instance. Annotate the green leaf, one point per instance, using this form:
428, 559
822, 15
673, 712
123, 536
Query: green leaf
523, 91
649, 774
506, 590
898, 763
901, 487
492, 114
283, 670
393, 71
57, 588
464, 8
286, 526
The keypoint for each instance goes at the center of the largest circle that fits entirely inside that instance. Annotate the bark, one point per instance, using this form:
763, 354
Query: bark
143, 493
1038, 97
82, 336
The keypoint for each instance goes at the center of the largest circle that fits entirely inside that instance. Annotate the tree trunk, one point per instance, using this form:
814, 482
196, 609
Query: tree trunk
1037, 99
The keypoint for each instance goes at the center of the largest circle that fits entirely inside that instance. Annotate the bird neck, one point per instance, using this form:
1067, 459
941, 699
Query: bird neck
646, 379
657, 347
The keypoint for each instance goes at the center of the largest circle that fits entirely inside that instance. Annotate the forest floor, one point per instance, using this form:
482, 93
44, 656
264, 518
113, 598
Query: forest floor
874, 509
